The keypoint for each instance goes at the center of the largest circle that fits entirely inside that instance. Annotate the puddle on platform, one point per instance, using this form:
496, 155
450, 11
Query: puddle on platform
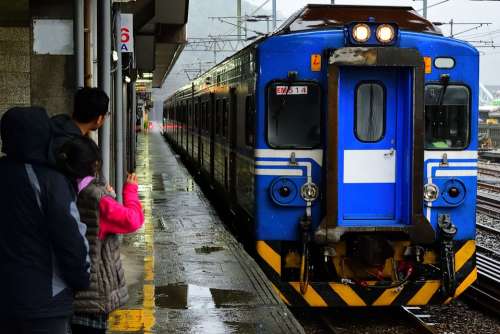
188, 296
208, 249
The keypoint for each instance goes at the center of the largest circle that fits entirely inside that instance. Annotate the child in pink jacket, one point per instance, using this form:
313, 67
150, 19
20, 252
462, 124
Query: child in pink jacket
105, 218
115, 218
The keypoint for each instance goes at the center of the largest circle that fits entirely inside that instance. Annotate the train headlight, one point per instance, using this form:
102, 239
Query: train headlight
431, 192
385, 33
361, 33
309, 192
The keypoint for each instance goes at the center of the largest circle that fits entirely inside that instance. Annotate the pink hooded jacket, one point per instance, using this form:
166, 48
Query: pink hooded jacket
115, 218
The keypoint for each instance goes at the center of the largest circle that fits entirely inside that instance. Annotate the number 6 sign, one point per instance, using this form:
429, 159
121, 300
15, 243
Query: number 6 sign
127, 33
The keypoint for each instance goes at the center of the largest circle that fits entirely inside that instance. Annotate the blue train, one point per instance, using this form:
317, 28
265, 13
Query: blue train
346, 144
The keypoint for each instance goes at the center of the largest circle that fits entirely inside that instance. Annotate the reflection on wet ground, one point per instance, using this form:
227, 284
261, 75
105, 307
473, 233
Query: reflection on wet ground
185, 296
186, 273
208, 249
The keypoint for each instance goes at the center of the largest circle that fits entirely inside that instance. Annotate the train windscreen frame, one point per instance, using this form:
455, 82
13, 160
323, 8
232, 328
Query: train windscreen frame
294, 114
447, 116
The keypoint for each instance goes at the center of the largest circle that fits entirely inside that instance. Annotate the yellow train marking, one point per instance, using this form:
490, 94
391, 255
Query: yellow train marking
269, 255
425, 293
347, 294
311, 297
464, 254
387, 297
282, 296
471, 278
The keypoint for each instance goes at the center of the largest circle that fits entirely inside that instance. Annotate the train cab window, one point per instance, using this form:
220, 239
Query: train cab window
447, 109
370, 112
293, 115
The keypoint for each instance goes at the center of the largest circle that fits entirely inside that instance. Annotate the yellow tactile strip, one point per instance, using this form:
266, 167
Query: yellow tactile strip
134, 320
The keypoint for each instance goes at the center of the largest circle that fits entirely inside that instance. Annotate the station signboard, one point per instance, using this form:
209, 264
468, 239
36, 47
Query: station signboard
127, 33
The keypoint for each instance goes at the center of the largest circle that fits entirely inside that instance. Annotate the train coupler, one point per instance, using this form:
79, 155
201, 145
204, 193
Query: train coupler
447, 231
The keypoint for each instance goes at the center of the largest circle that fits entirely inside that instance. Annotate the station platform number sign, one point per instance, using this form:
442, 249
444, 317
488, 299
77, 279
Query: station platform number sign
127, 33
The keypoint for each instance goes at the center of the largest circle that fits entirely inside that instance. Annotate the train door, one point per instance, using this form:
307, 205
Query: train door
371, 151
233, 112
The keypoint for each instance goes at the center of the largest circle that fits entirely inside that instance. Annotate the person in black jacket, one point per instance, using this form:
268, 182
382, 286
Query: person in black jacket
89, 113
43, 250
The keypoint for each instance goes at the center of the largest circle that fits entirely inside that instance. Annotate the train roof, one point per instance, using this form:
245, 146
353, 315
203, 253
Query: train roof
337, 16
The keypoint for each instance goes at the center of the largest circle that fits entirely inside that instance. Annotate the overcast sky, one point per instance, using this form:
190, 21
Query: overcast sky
459, 10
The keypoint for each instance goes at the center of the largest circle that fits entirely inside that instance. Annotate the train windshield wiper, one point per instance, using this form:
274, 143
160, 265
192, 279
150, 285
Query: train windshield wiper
445, 81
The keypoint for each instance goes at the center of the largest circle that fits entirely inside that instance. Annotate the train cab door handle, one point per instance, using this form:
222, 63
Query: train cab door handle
390, 154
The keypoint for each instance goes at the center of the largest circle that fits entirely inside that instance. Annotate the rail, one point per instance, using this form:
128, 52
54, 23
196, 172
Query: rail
485, 292
418, 316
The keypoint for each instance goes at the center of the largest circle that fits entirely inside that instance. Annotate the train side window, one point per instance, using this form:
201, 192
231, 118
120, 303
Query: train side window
249, 120
447, 113
225, 117
207, 117
218, 117
294, 114
370, 112
197, 115
203, 116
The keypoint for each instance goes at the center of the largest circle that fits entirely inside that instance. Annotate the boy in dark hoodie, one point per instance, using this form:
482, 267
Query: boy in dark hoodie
89, 114
43, 250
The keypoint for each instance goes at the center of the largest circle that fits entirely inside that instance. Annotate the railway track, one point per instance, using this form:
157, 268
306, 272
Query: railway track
413, 317
489, 186
488, 229
485, 292
488, 202
420, 319
489, 169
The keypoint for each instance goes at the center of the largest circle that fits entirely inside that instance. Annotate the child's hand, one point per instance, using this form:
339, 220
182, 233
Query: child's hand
110, 189
132, 178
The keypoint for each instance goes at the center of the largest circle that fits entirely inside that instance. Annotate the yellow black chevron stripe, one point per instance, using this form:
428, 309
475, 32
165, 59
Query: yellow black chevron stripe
328, 294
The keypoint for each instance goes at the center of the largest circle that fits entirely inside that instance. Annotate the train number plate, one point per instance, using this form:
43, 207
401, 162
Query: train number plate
292, 90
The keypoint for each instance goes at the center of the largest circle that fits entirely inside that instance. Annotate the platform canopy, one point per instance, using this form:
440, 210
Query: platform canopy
160, 35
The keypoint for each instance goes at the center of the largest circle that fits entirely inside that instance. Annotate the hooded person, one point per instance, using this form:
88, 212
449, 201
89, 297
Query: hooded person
43, 250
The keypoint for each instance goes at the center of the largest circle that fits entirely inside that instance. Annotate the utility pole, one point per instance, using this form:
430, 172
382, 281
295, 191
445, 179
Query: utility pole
425, 8
118, 107
274, 14
104, 51
238, 15
333, 2
79, 32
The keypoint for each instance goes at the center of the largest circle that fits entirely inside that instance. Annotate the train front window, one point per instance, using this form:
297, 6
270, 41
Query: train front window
447, 110
293, 115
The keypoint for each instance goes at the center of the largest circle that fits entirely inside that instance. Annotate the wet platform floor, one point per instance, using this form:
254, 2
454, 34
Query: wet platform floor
186, 273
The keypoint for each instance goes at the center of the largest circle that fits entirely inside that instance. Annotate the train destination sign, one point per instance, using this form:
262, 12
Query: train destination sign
291, 90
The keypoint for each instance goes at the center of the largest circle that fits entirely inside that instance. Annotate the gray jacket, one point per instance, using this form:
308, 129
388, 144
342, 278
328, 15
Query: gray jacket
108, 289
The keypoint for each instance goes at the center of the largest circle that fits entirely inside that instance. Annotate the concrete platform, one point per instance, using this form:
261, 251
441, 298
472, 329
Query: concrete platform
186, 273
